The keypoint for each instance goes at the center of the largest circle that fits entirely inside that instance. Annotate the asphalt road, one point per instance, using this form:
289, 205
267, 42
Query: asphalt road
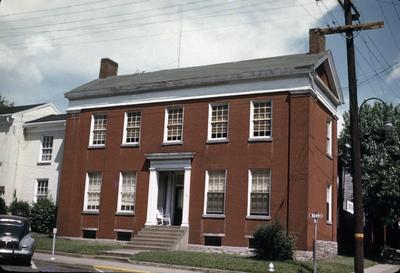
45, 266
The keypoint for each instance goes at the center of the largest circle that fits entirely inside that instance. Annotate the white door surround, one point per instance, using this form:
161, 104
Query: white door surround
168, 162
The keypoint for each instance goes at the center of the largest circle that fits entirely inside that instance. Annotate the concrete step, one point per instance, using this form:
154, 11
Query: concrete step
151, 239
151, 243
160, 233
145, 247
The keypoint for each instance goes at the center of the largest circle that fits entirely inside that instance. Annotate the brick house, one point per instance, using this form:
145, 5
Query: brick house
217, 150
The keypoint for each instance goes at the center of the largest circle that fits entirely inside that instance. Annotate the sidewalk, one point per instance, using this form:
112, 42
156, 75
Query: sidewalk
383, 268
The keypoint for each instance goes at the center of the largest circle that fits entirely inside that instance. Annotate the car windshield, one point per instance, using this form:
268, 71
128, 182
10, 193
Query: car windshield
13, 228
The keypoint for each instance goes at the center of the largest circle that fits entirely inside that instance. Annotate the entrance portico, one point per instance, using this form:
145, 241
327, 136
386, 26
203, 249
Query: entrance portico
165, 186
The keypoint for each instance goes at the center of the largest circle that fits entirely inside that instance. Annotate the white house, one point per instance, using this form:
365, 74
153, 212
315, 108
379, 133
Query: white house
23, 166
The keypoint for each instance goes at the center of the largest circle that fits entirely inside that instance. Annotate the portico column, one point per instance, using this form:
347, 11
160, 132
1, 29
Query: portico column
152, 198
186, 197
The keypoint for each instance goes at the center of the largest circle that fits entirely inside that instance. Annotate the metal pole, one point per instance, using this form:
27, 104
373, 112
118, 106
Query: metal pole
315, 246
355, 144
54, 243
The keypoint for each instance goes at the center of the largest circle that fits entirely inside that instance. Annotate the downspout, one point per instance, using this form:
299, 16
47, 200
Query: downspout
288, 166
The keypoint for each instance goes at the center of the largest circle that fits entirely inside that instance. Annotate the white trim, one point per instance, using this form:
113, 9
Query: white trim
91, 145
251, 125
213, 234
329, 202
85, 200
221, 139
128, 100
124, 143
36, 188
329, 136
34, 124
212, 215
166, 115
249, 187
120, 193
41, 161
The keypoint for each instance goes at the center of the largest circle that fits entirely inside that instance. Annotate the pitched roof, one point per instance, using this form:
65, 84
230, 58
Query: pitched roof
50, 118
15, 109
198, 76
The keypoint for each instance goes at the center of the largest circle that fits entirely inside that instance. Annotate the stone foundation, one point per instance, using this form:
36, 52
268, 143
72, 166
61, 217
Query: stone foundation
242, 251
325, 249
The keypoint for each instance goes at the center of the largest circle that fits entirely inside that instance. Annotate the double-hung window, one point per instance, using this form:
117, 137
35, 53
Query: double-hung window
173, 125
259, 192
215, 192
218, 122
92, 191
260, 119
329, 203
329, 137
98, 130
127, 189
132, 128
42, 189
46, 149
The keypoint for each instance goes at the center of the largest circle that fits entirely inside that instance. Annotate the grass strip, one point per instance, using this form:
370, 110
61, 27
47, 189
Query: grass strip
73, 246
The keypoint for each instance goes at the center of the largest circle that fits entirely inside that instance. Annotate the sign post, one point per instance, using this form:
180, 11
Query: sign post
54, 243
315, 217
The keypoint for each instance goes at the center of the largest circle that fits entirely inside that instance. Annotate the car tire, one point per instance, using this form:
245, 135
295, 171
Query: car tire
26, 261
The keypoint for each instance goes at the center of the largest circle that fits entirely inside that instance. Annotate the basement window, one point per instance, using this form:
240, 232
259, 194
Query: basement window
89, 234
124, 236
212, 241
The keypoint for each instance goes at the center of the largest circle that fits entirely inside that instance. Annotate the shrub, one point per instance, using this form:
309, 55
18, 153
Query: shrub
43, 216
273, 243
3, 207
20, 208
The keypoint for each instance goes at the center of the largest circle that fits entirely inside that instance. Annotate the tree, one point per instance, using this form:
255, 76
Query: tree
20, 208
380, 152
5, 103
43, 216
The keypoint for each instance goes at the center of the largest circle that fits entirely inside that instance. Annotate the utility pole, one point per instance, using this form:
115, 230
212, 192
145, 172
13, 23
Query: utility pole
349, 28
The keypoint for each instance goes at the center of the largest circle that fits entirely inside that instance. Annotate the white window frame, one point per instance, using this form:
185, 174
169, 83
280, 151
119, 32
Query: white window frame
206, 191
92, 128
121, 177
251, 130
85, 202
124, 135
329, 203
166, 114
329, 137
209, 131
37, 187
249, 191
42, 148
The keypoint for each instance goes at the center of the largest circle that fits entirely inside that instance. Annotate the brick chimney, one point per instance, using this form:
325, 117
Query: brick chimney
316, 41
108, 68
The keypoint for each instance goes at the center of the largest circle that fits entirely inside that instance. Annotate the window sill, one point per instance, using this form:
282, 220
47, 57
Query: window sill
214, 216
329, 156
124, 213
172, 143
90, 212
40, 163
258, 217
329, 223
217, 141
129, 145
260, 139
93, 147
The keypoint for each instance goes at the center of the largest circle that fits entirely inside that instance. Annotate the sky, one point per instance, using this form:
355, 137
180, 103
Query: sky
50, 47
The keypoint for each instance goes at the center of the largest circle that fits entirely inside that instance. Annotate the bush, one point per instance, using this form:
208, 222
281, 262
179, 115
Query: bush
3, 207
43, 216
20, 208
271, 242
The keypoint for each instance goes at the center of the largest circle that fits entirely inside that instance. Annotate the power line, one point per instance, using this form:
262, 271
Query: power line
390, 28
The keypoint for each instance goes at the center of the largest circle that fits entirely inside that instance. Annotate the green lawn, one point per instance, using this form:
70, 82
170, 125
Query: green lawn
73, 246
237, 263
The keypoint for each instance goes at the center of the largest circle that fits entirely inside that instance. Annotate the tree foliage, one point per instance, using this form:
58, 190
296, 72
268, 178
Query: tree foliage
43, 216
20, 208
271, 242
5, 103
380, 153
3, 207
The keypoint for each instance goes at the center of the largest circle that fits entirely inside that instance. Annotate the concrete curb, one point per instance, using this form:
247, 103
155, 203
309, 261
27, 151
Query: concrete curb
126, 260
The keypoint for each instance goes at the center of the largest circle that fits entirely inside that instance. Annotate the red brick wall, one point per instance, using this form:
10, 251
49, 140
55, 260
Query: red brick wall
237, 157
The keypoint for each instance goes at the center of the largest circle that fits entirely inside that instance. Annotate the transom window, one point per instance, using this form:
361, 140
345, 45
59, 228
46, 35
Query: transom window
260, 119
174, 125
215, 189
329, 203
99, 127
218, 127
127, 189
259, 192
42, 189
93, 190
132, 127
47, 148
